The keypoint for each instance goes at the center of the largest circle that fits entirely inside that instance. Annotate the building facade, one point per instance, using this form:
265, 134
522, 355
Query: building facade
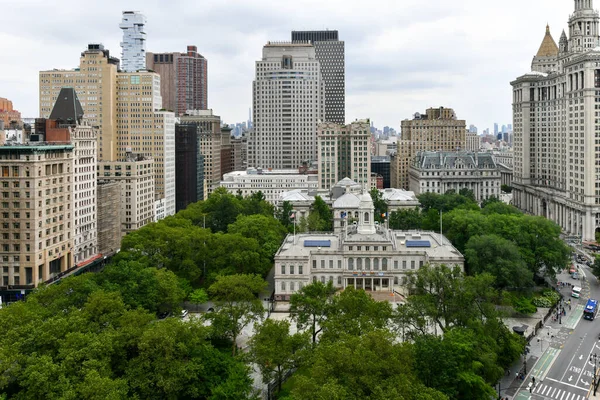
189, 162
8, 114
473, 141
109, 216
95, 84
288, 103
210, 132
380, 165
437, 130
555, 125
344, 152
438, 172
183, 79
135, 175
362, 255
270, 182
36, 218
330, 52
134, 41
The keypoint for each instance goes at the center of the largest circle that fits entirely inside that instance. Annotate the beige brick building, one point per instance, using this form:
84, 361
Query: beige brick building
135, 175
437, 130
344, 152
95, 84
109, 216
36, 216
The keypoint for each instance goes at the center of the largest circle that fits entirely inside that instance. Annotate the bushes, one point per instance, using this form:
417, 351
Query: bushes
523, 305
547, 299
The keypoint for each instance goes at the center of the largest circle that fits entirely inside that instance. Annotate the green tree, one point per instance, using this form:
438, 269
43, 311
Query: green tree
490, 200
506, 188
321, 217
371, 366
500, 258
238, 304
257, 204
310, 305
267, 231
283, 215
354, 312
498, 207
468, 193
274, 350
596, 266
222, 209
406, 219
198, 296
380, 205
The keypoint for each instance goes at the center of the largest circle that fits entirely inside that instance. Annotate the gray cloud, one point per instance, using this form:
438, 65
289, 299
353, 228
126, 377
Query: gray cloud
401, 56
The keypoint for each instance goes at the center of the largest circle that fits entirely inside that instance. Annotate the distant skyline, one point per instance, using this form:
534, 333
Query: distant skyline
401, 58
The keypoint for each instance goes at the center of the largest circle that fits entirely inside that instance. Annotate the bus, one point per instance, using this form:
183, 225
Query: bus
590, 310
576, 291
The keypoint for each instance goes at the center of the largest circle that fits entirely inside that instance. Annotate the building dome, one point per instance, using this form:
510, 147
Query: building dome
366, 202
348, 200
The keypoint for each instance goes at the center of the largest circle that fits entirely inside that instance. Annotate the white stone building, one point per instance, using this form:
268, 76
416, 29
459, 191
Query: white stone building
362, 255
270, 182
438, 172
302, 199
556, 124
473, 141
288, 103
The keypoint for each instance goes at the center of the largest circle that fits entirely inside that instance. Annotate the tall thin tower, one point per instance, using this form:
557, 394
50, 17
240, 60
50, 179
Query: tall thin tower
134, 41
329, 52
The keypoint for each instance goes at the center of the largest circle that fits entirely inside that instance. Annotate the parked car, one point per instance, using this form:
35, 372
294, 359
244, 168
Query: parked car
184, 313
163, 315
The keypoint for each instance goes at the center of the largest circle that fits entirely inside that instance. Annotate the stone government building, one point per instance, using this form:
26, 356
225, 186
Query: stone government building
363, 254
556, 122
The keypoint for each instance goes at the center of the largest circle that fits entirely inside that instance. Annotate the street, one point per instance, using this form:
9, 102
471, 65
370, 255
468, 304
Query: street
565, 370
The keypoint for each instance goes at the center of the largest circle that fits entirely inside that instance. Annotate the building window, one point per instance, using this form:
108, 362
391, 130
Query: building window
322, 279
291, 270
322, 263
395, 264
291, 286
283, 286
300, 269
314, 263
283, 270
359, 264
384, 264
376, 264
412, 264
330, 263
339, 280
350, 264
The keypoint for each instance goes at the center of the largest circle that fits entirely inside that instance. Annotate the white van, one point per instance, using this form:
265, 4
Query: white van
576, 291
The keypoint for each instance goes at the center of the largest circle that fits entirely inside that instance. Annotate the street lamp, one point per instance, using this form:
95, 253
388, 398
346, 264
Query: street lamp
596, 381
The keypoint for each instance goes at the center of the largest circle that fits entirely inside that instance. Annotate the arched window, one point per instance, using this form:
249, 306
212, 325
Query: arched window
376, 264
359, 264
283, 286
291, 286
367, 264
356, 214
395, 280
367, 217
330, 278
314, 278
322, 279
350, 264
384, 263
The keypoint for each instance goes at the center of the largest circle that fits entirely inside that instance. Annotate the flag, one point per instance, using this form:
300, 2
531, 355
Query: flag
343, 214
384, 215
293, 216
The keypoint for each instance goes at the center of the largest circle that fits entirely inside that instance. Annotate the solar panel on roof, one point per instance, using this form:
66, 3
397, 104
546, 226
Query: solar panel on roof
418, 243
317, 243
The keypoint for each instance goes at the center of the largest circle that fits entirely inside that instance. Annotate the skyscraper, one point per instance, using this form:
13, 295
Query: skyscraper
183, 79
555, 126
329, 51
288, 103
134, 41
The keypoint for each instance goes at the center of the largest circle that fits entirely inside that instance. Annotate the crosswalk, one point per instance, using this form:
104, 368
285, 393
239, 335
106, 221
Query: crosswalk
556, 393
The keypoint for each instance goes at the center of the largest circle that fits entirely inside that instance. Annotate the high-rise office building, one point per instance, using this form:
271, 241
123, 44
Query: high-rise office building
288, 103
125, 106
330, 52
210, 145
95, 84
436, 130
183, 79
344, 152
189, 162
134, 41
555, 126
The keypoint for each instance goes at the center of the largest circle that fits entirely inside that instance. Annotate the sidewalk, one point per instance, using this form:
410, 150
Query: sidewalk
545, 340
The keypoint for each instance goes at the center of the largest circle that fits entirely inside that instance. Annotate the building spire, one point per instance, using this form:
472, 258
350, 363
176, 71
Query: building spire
548, 48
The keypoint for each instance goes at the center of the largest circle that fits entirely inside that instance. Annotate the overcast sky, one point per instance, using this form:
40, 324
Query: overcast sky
401, 56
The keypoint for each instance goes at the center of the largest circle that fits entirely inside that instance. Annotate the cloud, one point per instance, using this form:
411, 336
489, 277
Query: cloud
401, 56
